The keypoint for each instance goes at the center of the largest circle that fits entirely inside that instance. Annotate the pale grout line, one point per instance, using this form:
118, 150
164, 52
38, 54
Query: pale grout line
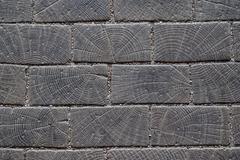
125, 63
109, 81
69, 128
122, 148
27, 81
232, 43
193, 10
231, 139
112, 13
72, 46
33, 8
25, 154
150, 126
106, 152
119, 105
152, 44
107, 149
27, 71
191, 86
109, 66
110, 21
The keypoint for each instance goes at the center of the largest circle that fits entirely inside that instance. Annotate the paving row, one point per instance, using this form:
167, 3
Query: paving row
122, 154
119, 80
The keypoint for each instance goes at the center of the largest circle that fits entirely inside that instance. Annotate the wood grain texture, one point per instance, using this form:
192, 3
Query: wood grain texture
236, 41
150, 84
190, 126
216, 83
15, 10
236, 124
234, 153
11, 154
109, 126
190, 42
96, 154
147, 154
71, 10
12, 84
34, 44
152, 10
112, 43
174, 154
217, 9
60, 85
35, 127
211, 154
119, 79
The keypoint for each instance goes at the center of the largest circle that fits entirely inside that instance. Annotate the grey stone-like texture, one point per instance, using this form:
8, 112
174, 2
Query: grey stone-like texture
217, 9
109, 126
147, 154
112, 43
236, 124
216, 83
12, 84
187, 42
58, 85
35, 44
11, 154
95, 154
236, 41
71, 10
33, 127
15, 10
190, 125
150, 84
138, 10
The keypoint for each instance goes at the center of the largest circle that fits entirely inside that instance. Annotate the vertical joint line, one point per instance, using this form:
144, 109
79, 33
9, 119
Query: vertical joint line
69, 129
106, 153
33, 8
25, 154
72, 44
152, 43
231, 141
27, 79
109, 80
112, 14
191, 85
149, 126
232, 42
194, 10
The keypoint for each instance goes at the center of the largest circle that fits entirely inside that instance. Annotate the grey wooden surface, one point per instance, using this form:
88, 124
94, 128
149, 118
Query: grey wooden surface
119, 79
